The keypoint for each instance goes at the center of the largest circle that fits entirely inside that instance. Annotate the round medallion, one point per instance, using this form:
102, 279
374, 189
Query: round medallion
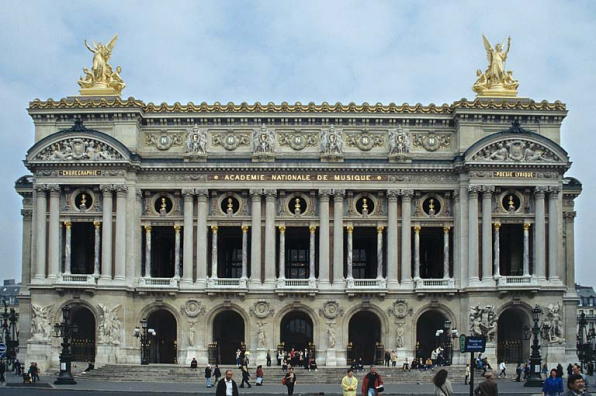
261, 309
230, 142
297, 142
365, 142
164, 142
331, 310
431, 142
192, 308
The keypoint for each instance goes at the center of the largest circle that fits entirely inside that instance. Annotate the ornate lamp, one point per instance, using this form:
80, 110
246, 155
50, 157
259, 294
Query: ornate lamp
535, 379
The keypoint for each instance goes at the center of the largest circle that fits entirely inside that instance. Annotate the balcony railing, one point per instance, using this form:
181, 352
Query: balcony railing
287, 283
77, 279
438, 283
377, 283
227, 283
513, 281
163, 283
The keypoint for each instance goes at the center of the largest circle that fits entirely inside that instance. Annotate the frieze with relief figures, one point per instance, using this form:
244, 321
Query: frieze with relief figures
78, 149
516, 150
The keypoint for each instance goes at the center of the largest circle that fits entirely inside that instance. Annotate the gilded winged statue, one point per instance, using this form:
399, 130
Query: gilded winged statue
495, 81
102, 78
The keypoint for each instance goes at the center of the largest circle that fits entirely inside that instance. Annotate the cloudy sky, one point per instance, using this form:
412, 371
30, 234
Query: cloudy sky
308, 51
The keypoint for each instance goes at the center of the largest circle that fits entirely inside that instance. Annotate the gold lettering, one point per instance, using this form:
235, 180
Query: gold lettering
79, 172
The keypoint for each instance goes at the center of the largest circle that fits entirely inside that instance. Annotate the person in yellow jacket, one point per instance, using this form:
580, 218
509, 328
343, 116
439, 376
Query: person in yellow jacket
349, 384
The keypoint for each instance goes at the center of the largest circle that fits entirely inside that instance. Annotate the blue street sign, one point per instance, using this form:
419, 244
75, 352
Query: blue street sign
475, 344
2, 348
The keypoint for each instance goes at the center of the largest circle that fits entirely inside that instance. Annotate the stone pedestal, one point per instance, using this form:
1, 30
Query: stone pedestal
190, 353
553, 354
106, 354
260, 357
41, 352
331, 359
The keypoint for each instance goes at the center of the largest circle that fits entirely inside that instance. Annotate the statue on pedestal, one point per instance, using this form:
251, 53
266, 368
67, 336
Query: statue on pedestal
102, 80
495, 81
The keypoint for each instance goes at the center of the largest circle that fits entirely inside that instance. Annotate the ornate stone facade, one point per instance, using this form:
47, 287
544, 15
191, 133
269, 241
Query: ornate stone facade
268, 218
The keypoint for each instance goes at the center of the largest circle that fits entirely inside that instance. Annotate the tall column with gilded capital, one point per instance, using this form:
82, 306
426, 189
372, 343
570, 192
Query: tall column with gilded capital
553, 234
324, 238
380, 230
41, 213
487, 248
244, 252
416, 252
392, 251
188, 253
202, 212
214, 252
147, 251
68, 248
338, 237
177, 251
282, 252
106, 237
312, 253
539, 235
497, 250
473, 234
526, 255
270, 200
120, 256
350, 263
406, 237
54, 233
96, 248
446, 252
255, 237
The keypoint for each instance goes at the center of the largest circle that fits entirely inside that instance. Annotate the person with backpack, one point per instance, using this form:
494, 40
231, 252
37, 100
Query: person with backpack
442, 384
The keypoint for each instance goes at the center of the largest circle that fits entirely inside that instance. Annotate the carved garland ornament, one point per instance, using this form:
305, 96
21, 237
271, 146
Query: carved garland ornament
298, 141
431, 141
262, 309
163, 140
331, 310
192, 308
400, 309
365, 141
78, 149
230, 141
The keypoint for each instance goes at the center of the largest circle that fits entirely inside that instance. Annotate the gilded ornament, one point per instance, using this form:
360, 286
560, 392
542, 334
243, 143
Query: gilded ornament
164, 141
495, 81
102, 80
230, 141
365, 141
431, 141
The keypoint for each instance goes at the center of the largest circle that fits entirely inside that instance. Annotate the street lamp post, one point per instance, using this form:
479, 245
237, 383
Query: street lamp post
10, 334
535, 379
581, 339
447, 342
143, 335
65, 330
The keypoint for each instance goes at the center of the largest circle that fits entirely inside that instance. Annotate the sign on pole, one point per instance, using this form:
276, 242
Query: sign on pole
2, 351
475, 344
462, 343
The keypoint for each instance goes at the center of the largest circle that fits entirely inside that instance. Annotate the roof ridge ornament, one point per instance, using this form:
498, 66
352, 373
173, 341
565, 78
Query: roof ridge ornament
495, 81
516, 128
102, 80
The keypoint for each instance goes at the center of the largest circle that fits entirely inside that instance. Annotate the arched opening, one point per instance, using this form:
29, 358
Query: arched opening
426, 330
163, 346
83, 341
511, 346
228, 332
296, 331
364, 332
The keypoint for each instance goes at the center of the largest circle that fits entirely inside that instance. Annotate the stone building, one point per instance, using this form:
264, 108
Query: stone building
344, 229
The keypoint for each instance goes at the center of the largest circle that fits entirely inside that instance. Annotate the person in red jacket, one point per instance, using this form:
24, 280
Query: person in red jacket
371, 383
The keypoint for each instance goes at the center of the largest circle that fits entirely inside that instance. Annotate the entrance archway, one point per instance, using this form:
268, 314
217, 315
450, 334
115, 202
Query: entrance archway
511, 346
426, 328
228, 332
296, 330
364, 332
83, 341
163, 347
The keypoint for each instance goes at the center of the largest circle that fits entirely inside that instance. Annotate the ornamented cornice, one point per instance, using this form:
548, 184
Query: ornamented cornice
83, 103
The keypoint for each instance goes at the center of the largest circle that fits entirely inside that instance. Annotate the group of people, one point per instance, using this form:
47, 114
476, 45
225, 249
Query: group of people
295, 359
29, 376
577, 382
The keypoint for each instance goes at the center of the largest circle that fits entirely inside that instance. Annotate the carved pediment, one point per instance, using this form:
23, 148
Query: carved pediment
79, 149
516, 150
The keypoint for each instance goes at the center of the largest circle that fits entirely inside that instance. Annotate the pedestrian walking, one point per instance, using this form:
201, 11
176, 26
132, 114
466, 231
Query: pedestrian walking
442, 384
2, 371
387, 358
349, 384
467, 374
268, 358
208, 375
503, 370
290, 381
560, 371
569, 369
577, 371
280, 357
372, 383
245, 375
518, 371
238, 353
553, 385
393, 358
216, 374
17, 367
227, 386
259, 375
488, 387
576, 386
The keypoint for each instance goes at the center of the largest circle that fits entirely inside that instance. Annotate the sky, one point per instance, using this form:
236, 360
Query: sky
306, 51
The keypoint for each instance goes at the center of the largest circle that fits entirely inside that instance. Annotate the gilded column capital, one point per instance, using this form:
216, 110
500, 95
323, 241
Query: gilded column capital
497, 226
380, 229
244, 229
188, 194
312, 229
68, 225
177, 229
202, 194
282, 229
526, 226
446, 229
392, 195
406, 194
97, 225
417, 229
148, 229
350, 229
214, 229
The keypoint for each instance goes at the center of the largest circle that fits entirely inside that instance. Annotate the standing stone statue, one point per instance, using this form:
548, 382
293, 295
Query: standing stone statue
261, 340
399, 342
196, 141
41, 329
191, 333
331, 334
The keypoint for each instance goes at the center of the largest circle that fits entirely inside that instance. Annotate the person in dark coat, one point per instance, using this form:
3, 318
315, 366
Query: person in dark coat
569, 369
559, 371
488, 387
371, 383
227, 386
290, 380
245, 375
216, 374
2, 371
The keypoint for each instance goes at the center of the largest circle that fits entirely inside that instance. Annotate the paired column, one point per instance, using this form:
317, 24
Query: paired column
392, 251
106, 245
148, 251
569, 218
282, 252
380, 252
68, 248
539, 234
311, 262
244, 252
41, 232
214, 252
96, 248
270, 201
350, 230
446, 252
187, 258
487, 260
255, 241
324, 237
338, 237
177, 251
526, 255
202, 199
406, 236
497, 250
553, 234
416, 252
54, 233
473, 234
120, 256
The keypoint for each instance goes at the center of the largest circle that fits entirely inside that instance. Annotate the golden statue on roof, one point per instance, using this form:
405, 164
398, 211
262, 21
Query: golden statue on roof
102, 80
495, 81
